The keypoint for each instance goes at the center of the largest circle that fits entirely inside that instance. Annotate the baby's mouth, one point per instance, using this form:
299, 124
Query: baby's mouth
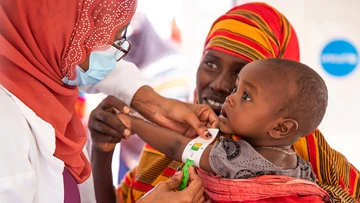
223, 113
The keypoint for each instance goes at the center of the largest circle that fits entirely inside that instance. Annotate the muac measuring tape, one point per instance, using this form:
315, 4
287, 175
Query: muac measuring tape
192, 154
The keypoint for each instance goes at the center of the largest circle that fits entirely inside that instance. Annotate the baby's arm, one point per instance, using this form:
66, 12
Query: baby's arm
167, 141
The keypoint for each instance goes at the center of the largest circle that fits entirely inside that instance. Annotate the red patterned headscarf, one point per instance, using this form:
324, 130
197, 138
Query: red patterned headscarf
254, 31
41, 42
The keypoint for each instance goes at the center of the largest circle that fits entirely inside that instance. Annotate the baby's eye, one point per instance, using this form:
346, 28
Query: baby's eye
246, 97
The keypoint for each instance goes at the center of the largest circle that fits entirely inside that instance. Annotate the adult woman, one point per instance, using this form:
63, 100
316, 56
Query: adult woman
48, 48
248, 32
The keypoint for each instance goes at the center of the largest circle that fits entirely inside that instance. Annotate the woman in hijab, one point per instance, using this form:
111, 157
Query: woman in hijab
48, 49
246, 33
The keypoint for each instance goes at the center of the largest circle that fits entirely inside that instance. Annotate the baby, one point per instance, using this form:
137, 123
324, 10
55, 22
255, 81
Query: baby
274, 103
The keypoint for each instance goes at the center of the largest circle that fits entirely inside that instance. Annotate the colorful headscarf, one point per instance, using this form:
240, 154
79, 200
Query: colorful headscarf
254, 31
41, 42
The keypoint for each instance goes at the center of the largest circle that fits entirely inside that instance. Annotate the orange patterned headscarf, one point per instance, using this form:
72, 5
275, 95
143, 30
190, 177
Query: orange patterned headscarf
254, 31
41, 42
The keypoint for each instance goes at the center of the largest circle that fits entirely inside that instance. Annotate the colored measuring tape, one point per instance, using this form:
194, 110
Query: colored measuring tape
192, 154
185, 178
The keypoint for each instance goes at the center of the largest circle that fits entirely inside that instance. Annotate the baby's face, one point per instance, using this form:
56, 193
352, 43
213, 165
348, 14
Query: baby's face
250, 110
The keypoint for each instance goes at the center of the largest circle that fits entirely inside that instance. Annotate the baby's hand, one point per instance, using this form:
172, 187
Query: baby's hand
125, 119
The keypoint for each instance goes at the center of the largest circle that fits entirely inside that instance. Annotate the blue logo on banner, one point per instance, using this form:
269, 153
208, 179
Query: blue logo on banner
339, 58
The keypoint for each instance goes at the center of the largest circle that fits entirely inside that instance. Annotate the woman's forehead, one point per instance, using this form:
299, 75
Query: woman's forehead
225, 57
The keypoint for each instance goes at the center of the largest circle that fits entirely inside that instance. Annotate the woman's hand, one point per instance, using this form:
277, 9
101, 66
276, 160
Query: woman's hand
188, 119
105, 128
185, 118
164, 191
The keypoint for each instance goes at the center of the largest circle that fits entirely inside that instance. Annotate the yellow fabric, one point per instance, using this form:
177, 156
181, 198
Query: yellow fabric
239, 27
236, 46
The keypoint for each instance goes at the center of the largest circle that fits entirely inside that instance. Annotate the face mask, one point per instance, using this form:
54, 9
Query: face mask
101, 64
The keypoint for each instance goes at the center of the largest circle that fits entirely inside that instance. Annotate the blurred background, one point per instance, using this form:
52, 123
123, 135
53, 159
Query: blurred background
329, 36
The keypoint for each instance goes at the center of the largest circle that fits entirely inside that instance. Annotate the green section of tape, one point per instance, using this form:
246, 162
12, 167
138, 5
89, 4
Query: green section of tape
185, 178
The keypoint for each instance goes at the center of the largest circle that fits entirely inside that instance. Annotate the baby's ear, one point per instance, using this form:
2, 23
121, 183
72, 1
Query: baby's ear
284, 128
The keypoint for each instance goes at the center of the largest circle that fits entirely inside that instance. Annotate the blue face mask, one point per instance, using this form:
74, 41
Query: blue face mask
101, 64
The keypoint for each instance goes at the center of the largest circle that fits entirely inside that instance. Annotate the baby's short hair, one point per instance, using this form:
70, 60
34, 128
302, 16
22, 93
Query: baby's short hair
307, 104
